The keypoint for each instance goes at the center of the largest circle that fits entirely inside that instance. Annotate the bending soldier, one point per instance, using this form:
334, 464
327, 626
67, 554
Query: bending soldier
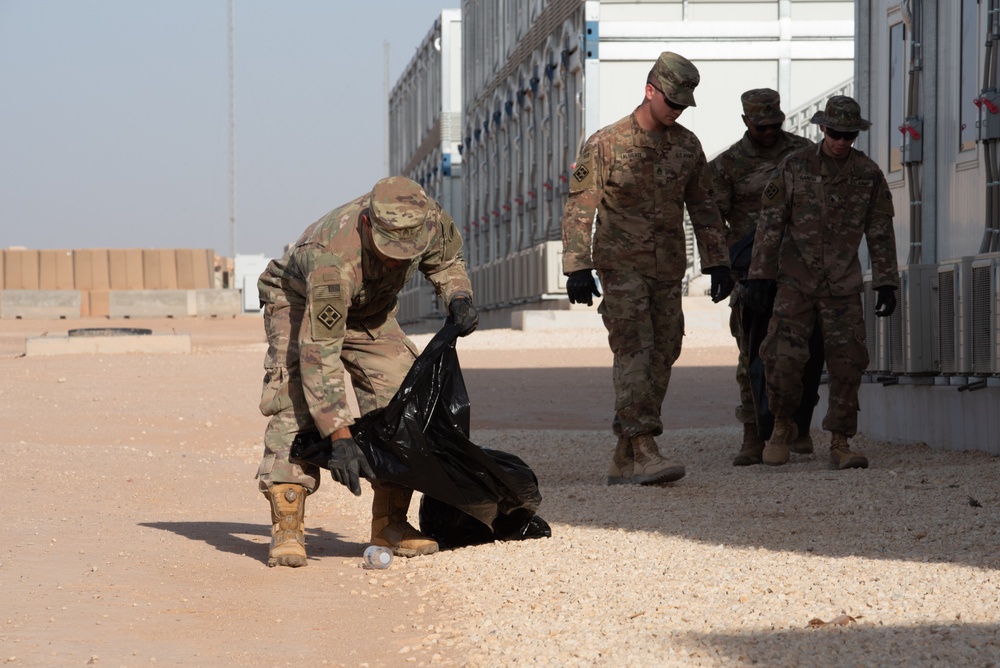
330, 304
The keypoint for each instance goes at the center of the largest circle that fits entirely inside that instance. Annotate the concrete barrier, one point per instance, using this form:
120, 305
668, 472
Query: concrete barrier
151, 303
214, 302
56, 304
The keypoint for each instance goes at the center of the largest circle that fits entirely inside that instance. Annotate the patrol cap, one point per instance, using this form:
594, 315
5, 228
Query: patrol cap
677, 76
762, 106
842, 114
400, 218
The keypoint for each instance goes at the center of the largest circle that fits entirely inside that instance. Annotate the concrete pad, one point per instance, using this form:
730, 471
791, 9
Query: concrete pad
534, 320
80, 345
40, 304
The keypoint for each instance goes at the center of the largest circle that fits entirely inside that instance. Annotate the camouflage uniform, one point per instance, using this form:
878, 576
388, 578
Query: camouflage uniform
637, 183
330, 304
740, 174
814, 215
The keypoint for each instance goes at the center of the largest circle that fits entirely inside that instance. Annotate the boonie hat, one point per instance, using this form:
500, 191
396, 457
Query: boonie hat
762, 106
401, 224
842, 114
678, 77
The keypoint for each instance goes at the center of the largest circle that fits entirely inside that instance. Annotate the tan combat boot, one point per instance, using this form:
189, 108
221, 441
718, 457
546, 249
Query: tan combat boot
288, 510
841, 456
389, 526
784, 434
650, 467
803, 445
752, 447
622, 463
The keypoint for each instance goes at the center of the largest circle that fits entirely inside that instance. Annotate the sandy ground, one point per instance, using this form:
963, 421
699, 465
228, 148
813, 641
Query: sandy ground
132, 532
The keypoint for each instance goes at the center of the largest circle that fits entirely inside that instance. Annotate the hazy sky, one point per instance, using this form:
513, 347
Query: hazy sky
114, 117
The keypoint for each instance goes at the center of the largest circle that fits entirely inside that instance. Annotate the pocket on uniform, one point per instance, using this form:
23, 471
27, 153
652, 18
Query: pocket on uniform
274, 396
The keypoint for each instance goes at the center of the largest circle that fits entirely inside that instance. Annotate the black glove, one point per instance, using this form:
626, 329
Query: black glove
758, 294
463, 314
722, 283
581, 287
885, 303
346, 462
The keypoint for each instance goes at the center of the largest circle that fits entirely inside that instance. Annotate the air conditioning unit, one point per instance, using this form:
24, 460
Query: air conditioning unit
552, 279
911, 331
954, 321
876, 334
985, 314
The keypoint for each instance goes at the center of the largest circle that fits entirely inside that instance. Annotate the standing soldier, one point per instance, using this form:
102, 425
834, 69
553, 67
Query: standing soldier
329, 305
741, 172
635, 176
815, 211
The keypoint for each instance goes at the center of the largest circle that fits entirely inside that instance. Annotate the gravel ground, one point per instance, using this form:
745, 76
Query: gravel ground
794, 566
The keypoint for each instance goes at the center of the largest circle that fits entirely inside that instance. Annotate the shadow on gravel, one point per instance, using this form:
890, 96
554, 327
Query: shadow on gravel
913, 503
955, 644
583, 398
230, 537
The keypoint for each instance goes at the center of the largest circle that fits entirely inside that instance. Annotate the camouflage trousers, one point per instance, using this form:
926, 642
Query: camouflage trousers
376, 362
785, 351
645, 328
745, 412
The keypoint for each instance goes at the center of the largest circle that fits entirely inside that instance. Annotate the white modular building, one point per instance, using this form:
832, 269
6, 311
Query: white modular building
424, 134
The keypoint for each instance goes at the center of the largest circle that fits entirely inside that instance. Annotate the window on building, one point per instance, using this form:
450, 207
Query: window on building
968, 112
897, 81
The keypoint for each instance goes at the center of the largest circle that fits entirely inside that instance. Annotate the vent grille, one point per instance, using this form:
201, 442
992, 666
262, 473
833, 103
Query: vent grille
947, 353
982, 319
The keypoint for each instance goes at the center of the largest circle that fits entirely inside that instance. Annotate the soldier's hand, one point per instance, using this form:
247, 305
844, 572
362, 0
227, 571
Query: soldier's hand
347, 463
581, 287
462, 313
759, 294
885, 303
722, 283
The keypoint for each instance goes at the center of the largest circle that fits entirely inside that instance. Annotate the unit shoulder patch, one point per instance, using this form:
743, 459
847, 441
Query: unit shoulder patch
328, 312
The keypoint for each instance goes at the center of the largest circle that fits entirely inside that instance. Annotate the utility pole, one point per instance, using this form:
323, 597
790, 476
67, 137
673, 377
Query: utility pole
385, 128
232, 134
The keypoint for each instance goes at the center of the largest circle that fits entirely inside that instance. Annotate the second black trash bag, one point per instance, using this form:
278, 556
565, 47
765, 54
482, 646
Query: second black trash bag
421, 440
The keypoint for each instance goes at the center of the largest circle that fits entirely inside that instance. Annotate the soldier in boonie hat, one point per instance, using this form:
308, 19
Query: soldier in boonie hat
762, 106
677, 77
400, 220
842, 114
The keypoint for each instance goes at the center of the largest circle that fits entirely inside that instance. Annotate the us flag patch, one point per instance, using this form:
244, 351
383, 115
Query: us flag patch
324, 292
581, 173
771, 190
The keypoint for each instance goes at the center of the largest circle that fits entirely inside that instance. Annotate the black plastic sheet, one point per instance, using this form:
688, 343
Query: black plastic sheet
421, 440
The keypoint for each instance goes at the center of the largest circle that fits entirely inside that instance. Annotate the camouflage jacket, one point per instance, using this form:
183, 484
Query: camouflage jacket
812, 222
637, 183
741, 172
335, 282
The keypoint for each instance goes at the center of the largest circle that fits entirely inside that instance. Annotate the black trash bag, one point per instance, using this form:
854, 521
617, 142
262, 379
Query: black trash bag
451, 527
755, 329
420, 440
741, 254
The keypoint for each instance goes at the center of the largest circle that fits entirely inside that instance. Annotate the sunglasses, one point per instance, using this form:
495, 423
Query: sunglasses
770, 127
837, 134
672, 105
